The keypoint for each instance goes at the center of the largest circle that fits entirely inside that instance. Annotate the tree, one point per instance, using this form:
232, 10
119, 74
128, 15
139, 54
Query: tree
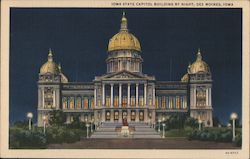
216, 121
176, 121
57, 117
192, 122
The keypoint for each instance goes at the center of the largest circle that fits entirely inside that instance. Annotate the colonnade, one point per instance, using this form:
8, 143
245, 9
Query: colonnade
120, 85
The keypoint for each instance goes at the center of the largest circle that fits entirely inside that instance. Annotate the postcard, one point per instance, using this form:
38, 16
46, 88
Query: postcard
124, 79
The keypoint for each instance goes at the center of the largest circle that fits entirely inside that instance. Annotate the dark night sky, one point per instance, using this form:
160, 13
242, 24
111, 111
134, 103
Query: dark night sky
79, 38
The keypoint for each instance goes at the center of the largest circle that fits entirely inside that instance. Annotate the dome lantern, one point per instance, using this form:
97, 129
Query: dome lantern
124, 23
124, 40
50, 66
50, 55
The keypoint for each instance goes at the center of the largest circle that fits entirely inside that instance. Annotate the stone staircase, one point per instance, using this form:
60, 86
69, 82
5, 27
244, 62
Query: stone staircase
108, 130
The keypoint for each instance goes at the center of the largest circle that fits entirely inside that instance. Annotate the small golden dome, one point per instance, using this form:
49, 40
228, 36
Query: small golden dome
199, 65
50, 66
185, 78
124, 40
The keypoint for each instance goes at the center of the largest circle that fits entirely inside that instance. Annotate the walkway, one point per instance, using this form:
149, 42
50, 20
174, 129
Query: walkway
167, 143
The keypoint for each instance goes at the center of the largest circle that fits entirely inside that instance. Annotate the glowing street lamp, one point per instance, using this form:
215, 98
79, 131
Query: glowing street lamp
233, 117
163, 131
44, 124
29, 116
159, 125
199, 121
229, 125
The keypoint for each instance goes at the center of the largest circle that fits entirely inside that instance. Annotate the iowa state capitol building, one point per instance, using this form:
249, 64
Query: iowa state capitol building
125, 91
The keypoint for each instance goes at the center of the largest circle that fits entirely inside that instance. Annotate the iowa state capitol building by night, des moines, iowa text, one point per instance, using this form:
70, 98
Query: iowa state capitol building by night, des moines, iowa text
125, 91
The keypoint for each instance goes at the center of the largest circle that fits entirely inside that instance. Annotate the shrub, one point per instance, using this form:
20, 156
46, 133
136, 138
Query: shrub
21, 138
215, 134
238, 140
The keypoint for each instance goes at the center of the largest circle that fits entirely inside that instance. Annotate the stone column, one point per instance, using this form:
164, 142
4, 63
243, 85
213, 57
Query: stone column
153, 87
191, 97
210, 97
103, 115
153, 116
145, 115
128, 103
95, 95
43, 98
96, 115
112, 115
120, 94
103, 94
137, 115
54, 98
129, 115
39, 97
145, 94
120, 116
137, 94
207, 96
58, 99
195, 96
111, 95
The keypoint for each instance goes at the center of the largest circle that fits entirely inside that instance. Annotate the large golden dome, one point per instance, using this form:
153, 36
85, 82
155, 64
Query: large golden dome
50, 66
199, 65
124, 40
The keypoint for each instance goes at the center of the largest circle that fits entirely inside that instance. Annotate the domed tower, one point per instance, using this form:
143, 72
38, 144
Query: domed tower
50, 78
199, 78
124, 51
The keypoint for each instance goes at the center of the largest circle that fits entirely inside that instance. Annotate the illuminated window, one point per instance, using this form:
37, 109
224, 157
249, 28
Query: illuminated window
71, 103
48, 97
170, 102
157, 102
141, 102
116, 101
133, 101
86, 103
177, 99
78, 103
124, 101
150, 102
65, 103
107, 101
163, 102
167, 104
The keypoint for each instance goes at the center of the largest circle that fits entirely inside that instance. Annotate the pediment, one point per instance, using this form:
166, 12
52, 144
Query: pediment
123, 75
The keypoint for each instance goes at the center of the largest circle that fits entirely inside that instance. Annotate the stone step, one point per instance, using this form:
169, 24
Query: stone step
103, 132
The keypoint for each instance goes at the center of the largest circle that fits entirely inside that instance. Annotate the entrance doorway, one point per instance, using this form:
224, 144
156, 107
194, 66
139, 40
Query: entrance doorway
124, 114
141, 116
107, 115
132, 115
116, 115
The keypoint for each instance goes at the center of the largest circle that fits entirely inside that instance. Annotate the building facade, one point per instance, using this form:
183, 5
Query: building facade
124, 91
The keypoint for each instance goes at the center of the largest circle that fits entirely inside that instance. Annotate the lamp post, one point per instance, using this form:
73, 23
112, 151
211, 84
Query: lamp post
233, 117
44, 124
92, 122
87, 126
199, 121
159, 125
29, 116
163, 131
